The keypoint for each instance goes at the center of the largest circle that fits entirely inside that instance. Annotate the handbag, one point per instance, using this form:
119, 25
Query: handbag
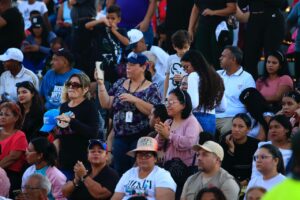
179, 170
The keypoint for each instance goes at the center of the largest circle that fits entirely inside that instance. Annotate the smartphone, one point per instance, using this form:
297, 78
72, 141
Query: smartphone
100, 72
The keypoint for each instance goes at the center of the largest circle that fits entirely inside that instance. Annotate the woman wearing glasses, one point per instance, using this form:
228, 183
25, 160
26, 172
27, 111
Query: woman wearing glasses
13, 143
146, 179
79, 121
269, 162
97, 183
205, 87
177, 136
32, 109
131, 101
42, 156
280, 130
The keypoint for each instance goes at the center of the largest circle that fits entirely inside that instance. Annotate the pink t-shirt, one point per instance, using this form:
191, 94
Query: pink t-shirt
273, 85
15, 142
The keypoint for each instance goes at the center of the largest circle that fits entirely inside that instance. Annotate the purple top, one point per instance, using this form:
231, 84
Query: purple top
139, 120
133, 12
181, 140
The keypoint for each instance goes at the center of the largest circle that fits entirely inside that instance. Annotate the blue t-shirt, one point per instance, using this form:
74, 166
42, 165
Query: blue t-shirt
52, 85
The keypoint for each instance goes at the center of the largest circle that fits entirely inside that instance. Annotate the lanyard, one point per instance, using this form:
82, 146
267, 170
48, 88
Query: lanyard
129, 86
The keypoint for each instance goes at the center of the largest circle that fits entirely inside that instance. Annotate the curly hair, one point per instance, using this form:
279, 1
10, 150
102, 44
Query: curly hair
211, 87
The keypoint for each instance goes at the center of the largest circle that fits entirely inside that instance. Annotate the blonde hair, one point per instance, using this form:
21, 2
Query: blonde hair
84, 81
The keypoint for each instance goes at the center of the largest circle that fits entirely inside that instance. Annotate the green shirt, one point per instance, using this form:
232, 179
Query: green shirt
288, 189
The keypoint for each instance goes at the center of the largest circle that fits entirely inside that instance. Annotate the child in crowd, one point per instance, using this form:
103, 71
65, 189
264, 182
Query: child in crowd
111, 42
181, 43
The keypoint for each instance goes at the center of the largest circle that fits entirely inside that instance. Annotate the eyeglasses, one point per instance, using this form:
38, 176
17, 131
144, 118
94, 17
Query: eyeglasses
144, 155
74, 85
263, 157
28, 187
171, 102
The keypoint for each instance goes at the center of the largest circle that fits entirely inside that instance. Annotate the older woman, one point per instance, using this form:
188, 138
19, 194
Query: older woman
97, 183
132, 100
279, 134
239, 149
147, 179
177, 136
42, 155
79, 121
269, 162
32, 108
13, 143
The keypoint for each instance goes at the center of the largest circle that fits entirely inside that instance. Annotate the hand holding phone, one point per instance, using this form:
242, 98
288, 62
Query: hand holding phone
99, 71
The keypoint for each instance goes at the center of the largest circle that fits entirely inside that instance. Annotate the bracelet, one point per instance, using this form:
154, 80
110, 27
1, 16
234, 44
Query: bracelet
74, 183
84, 177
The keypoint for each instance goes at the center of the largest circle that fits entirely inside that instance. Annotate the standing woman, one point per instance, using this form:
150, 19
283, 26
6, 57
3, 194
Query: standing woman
205, 87
275, 81
79, 122
32, 109
13, 143
209, 14
131, 100
265, 30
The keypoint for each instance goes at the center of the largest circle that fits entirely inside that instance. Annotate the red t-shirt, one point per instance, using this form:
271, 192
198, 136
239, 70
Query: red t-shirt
15, 142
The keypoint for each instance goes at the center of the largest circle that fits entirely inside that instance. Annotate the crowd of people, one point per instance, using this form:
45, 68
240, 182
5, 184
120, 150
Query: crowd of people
149, 99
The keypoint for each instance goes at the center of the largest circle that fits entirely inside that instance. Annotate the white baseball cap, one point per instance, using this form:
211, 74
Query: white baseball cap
12, 54
212, 147
134, 35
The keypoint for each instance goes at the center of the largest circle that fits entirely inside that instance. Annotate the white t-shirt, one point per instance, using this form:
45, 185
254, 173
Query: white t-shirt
132, 185
286, 155
174, 67
267, 184
25, 8
193, 91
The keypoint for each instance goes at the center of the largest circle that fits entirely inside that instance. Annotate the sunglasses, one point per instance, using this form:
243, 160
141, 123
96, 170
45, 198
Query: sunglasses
73, 85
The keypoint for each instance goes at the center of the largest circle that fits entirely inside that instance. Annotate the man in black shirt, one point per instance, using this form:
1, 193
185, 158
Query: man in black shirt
11, 26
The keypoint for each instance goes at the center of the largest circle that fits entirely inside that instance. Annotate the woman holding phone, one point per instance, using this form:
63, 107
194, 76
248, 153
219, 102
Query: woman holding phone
131, 100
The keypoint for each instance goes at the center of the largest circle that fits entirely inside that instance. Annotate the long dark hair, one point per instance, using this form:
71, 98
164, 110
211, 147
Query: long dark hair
43, 146
211, 87
285, 122
283, 69
45, 32
36, 105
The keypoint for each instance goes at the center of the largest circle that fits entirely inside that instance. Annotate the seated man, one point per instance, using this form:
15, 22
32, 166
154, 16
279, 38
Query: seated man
210, 156
15, 73
36, 188
235, 81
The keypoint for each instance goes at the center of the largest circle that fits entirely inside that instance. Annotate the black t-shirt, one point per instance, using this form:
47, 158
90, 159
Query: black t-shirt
213, 5
74, 139
108, 178
12, 34
109, 49
263, 5
239, 165
174, 20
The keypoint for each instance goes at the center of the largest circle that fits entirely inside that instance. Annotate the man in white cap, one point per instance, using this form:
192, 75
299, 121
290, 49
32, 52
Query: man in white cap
15, 73
138, 45
210, 156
